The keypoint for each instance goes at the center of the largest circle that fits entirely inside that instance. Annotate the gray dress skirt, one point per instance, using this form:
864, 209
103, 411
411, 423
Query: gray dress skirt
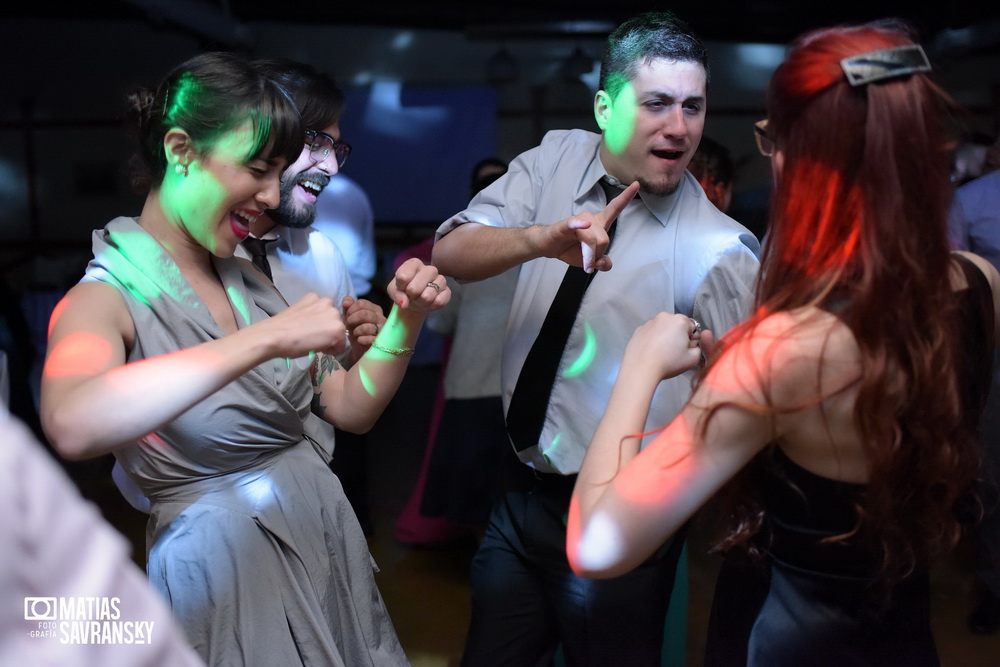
250, 536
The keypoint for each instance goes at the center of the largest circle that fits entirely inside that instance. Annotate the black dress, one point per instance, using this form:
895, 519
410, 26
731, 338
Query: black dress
813, 603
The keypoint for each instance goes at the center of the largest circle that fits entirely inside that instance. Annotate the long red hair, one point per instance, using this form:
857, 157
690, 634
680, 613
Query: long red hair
857, 227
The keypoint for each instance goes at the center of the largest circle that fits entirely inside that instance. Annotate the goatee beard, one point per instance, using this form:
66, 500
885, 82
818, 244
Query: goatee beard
291, 213
661, 189
288, 213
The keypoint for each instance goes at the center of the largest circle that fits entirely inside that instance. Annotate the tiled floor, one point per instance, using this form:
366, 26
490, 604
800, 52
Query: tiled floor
426, 590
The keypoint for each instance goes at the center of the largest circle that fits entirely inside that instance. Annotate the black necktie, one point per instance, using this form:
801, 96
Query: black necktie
258, 253
530, 400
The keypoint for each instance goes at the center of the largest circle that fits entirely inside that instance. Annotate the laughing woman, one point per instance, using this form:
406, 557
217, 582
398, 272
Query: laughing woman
842, 414
187, 364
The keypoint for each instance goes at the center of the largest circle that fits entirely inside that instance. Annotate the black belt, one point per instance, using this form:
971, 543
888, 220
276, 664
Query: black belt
518, 476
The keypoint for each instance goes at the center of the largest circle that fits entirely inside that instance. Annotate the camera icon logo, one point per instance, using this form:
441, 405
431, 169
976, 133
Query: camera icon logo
40, 609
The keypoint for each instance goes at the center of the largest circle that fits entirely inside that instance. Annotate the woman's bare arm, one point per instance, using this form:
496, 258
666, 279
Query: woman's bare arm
94, 402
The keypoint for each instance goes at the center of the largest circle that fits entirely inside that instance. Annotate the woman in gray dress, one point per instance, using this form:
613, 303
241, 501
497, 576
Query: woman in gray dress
189, 366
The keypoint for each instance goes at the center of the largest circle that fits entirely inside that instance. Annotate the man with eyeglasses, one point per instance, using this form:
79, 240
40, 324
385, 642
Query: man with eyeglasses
297, 257
301, 259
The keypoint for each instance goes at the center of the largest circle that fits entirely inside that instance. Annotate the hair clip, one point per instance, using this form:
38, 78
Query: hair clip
885, 64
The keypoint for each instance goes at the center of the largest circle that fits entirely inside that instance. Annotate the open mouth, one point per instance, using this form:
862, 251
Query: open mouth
312, 184
664, 154
240, 222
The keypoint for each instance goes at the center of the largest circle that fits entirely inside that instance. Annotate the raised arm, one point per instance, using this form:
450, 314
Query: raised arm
94, 402
364, 320
474, 251
354, 400
627, 502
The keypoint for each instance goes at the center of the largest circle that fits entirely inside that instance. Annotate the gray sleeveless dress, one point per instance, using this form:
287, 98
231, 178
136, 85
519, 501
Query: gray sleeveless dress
250, 536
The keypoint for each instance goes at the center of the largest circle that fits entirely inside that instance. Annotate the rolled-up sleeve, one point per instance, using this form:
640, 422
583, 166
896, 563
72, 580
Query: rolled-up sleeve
510, 201
724, 298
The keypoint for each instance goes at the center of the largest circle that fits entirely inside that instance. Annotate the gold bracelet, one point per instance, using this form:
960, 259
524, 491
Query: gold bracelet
394, 351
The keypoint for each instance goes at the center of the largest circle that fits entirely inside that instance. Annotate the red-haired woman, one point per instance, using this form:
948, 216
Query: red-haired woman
843, 411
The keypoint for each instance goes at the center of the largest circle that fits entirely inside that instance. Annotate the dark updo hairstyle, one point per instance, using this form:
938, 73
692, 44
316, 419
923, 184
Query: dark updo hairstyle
208, 96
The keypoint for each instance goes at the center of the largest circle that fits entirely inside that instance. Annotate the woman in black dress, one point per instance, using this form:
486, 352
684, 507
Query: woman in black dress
841, 416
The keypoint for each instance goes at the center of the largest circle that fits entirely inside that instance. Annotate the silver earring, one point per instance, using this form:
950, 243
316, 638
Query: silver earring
181, 169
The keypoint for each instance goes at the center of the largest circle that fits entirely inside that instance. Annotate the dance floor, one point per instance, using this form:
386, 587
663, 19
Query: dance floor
426, 589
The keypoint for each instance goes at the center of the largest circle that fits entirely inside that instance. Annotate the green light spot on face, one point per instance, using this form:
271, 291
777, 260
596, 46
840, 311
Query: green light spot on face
621, 118
239, 304
366, 382
217, 182
586, 357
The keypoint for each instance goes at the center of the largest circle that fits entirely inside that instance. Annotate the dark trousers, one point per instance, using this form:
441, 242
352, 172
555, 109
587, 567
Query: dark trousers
350, 465
526, 600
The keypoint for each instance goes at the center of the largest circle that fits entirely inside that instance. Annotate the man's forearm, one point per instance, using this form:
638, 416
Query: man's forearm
474, 251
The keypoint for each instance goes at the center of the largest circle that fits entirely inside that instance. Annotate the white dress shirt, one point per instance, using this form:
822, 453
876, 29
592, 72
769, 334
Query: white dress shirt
676, 254
303, 261
344, 214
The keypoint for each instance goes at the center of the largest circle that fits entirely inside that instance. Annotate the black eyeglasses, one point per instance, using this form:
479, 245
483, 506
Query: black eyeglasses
322, 144
764, 143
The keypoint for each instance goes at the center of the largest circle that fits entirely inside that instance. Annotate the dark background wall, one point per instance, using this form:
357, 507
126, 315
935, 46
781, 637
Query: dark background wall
424, 105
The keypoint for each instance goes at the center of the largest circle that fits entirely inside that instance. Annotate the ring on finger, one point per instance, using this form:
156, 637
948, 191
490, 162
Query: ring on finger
437, 288
697, 325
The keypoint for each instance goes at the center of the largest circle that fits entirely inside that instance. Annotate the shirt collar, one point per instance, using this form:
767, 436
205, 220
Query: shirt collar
272, 235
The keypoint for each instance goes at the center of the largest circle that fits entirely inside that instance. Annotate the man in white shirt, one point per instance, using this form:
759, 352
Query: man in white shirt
344, 214
302, 259
673, 251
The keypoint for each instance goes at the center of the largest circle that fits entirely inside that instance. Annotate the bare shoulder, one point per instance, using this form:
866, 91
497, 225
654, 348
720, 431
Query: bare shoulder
810, 332
92, 306
94, 295
800, 355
